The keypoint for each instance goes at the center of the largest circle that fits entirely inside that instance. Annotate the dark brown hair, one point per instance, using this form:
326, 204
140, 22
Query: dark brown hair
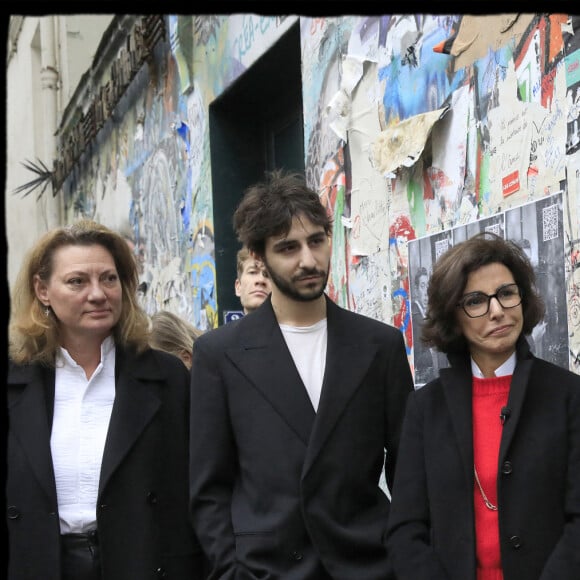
449, 278
268, 208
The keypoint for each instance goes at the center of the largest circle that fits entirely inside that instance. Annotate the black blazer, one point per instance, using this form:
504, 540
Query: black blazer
431, 525
142, 514
277, 490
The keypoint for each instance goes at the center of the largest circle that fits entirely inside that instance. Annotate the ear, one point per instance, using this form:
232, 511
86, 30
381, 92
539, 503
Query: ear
41, 290
237, 287
186, 358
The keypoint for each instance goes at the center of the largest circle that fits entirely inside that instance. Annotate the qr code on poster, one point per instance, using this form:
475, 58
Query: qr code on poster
550, 222
441, 246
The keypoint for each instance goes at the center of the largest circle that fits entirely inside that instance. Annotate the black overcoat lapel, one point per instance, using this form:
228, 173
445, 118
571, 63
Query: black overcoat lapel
30, 423
264, 359
457, 389
348, 359
518, 388
136, 403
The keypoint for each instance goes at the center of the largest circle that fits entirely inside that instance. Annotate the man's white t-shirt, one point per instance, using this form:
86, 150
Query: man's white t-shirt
307, 345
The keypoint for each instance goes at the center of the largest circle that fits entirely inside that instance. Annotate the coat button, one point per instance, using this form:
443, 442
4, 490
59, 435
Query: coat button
297, 555
151, 498
160, 573
12, 512
507, 467
516, 542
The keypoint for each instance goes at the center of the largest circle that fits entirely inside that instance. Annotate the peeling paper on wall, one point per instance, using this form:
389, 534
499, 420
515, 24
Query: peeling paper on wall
352, 72
369, 200
339, 107
339, 112
402, 144
479, 33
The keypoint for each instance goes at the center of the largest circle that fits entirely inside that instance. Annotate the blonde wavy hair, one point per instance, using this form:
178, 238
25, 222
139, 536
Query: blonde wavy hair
173, 334
34, 335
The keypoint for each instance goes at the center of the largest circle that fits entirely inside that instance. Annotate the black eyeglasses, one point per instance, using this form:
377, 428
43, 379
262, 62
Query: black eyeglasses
476, 304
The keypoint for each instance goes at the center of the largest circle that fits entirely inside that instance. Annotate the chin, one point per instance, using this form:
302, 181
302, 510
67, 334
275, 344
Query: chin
105, 329
311, 295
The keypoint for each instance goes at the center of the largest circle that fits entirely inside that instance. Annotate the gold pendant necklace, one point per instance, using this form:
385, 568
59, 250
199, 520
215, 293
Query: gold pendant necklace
486, 501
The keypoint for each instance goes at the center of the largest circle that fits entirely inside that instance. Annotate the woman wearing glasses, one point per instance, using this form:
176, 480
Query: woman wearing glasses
487, 485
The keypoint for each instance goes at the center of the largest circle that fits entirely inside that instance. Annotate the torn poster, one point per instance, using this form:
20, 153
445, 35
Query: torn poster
402, 144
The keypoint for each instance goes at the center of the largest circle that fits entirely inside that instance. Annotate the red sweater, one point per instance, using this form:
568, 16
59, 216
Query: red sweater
489, 396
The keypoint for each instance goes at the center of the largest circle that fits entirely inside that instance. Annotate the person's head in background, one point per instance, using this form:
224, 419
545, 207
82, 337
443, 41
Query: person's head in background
174, 335
421, 285
253, 283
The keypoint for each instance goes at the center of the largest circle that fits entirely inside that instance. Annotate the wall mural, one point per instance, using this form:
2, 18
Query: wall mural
440, 132
415, 127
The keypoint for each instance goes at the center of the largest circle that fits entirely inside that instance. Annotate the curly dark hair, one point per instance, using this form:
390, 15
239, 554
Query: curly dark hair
449, 279
268, 208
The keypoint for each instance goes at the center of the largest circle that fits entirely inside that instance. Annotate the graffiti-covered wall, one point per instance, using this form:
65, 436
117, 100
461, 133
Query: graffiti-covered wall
417, 128
148, 174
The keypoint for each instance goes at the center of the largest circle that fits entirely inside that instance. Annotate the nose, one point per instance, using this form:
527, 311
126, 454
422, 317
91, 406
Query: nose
307, 259
495, 308
96, 292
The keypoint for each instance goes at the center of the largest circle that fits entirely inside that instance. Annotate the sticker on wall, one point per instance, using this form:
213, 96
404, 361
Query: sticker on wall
510, 183
231, 315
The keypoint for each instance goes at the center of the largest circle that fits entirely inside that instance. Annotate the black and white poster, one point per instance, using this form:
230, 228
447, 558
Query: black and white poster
538, 228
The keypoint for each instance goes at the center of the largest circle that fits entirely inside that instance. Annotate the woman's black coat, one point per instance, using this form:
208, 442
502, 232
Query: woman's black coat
142, 507
431, 524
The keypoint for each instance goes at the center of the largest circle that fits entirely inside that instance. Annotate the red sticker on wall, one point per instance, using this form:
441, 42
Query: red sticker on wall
510, 183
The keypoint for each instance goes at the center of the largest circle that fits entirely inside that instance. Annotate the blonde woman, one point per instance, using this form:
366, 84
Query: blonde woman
96, 483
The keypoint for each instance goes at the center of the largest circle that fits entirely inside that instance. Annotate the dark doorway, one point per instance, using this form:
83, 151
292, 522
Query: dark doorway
256, 125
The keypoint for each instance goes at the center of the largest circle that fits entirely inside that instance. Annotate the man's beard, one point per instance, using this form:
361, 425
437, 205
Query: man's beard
289, 289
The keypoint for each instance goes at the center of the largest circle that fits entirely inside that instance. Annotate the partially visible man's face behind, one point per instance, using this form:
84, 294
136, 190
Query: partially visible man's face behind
253, 286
